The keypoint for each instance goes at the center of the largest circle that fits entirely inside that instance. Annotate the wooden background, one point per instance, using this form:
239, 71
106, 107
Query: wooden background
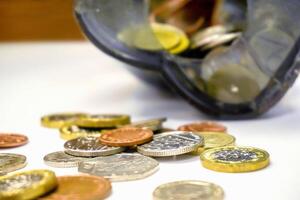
22, 20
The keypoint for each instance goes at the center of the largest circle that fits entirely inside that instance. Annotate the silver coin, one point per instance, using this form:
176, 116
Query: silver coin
153, 124
62, 160
221, 40
10, 162
89, 147
120, 167
171, 143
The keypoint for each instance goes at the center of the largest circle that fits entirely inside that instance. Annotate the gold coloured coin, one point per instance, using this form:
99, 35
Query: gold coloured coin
103, 121
60, 119
73, 132
168, 36
182, 46
235, 159
27, 185
10, 162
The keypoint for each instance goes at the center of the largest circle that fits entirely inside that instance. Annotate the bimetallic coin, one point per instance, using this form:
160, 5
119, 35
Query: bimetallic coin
60, 119
127, 136
188, 190
171, 144
103, 121
89, 147
203, 127
10, 162
62, 160
73, 131
153, 124
235, 159
120, 167
27, 185
8, 140
80, 188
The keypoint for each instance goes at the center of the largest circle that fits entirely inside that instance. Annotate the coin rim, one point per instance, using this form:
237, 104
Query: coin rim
48, 123
22, 162
16, 144
105, 122
54, 164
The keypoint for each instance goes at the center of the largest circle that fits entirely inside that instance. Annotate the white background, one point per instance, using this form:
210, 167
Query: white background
43, 78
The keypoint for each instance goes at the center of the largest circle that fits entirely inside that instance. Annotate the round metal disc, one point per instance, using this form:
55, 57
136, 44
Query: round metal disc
62, 160
10, 162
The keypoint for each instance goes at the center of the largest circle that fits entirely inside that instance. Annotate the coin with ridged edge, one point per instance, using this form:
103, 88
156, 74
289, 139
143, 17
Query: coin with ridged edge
60, 119
8, 140
235, 159
103, 120
171, 144
10, 162
73, 131
120, 167
89, 147
27, 185
60, 159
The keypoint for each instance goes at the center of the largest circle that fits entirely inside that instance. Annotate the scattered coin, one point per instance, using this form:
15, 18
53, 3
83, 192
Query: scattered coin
127, 136
203, 127
8, 140
235, 159
103, 121
61, 119
153, 124
222, 40
10, 162
89, 147
80, 188
171, 144
188, 190
73, 131
27, 185
120, 167
62, 160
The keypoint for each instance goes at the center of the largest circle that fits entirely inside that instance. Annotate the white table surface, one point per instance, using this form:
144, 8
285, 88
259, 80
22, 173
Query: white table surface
43, 78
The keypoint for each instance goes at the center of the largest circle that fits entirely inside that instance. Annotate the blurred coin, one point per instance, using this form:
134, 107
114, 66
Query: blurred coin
168, 36
171, 143
235, 159
80, 188
206, 126
27, 185
182, 46
127, 136
73, 131
188, 190
8, 140
103, 121
163, 130
153, 124
120, 167
89, 147
62, 160
10, 162
60, 119
222, 40
207, 32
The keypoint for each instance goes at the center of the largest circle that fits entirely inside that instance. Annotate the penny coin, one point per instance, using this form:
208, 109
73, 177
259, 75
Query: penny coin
73, 131
89, 147
188, 190
171, 144
153, 124
203, 127
120, 167
60, 119
27, 185
103, 121
235, 159
127, 136
80, 188
10, 162
62, 160
8, 140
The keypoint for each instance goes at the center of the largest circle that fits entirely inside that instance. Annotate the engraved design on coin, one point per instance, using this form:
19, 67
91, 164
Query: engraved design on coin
22, 181
120, 167
10, 162
63, 160
235, 155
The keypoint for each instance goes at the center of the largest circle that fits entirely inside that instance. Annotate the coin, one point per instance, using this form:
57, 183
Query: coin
153, 124
80, 188
203, 127
222, 40
27, 185
207, 32
171, 143
73, 131
89, 147
8, 140
120, 167
103, 121
10, 162
62, 160
235, 159
188, 190
60, 119
127, 136
182, 46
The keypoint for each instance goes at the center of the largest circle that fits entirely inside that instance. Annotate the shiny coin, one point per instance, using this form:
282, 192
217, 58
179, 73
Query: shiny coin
89, 147
182, 46
188, 190
235, 159
203, 127
8, 140
202, 34
103, 121
80, 188
62, 160
127, 136
171, 144
27, 185
61, 119
222, 40
73, 131
10, 162
153, 124
120, 167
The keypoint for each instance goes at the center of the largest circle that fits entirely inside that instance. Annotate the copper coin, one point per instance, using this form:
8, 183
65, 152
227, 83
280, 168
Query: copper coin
203, 127
80, 188
8, 140
127, 136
